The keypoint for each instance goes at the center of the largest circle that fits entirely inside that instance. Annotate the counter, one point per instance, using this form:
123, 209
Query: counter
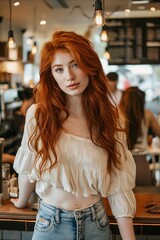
145, 223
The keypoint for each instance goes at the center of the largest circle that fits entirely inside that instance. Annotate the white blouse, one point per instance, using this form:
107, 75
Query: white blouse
81, 169
141, 147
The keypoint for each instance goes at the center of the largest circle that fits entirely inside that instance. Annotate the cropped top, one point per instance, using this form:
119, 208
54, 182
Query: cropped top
81, 169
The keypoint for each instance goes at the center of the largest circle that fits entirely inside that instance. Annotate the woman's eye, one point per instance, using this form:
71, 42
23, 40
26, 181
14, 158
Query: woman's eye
59, 70
75, 65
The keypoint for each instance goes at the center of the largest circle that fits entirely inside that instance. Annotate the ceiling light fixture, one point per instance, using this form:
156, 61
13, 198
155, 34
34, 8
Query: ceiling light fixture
140, 1
107, 55
153, 9
11, 41
104, 35
34, 47
128, 9
16, 3
43, 22
98, 17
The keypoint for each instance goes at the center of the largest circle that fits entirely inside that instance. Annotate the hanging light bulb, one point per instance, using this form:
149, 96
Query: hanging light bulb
104, 35
107, 54
98, 17
34, 48
11, 41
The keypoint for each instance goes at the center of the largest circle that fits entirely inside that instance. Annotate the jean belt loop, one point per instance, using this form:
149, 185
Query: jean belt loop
57, 216
93, 213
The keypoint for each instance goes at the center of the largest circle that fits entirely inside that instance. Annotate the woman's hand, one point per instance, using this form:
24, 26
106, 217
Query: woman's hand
25, 190
17, 203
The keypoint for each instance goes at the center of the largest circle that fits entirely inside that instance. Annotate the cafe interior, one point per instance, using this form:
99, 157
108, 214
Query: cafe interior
126, 37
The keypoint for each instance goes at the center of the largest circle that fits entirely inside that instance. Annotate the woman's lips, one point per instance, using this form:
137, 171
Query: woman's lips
73, 86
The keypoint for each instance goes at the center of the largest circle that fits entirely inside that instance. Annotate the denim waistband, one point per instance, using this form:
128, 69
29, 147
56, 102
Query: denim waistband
78, 213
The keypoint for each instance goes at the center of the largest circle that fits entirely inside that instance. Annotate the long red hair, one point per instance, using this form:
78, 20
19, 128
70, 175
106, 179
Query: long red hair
102, 116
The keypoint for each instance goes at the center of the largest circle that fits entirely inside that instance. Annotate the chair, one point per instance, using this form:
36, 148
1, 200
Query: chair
143, 174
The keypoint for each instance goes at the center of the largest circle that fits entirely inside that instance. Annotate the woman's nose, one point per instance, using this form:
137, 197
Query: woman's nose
70, 75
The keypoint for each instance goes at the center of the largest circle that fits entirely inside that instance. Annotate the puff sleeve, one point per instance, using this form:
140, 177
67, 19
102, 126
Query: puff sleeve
122, 181
25, 155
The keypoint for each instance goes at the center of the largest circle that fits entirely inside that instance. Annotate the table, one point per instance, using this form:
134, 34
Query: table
145, 223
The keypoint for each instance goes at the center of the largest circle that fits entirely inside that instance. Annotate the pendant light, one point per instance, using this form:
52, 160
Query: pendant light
16, 3
11, 41
104, 35
34, 47
98, 17
107, 55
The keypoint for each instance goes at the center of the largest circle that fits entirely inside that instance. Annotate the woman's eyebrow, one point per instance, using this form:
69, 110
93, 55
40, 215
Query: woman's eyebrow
59, 65
56, 65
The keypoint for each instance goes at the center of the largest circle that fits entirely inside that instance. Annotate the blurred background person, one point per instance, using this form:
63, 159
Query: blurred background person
139, 120
8, 158
113, 82
27, 97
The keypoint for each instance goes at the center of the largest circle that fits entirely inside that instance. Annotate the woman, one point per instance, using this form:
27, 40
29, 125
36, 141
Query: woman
139, 120
74, 148
7, 158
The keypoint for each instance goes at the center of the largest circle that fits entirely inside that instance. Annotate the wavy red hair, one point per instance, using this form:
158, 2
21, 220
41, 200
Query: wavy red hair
51, 101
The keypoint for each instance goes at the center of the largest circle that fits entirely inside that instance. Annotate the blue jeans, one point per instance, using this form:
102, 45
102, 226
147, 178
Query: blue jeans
89, 223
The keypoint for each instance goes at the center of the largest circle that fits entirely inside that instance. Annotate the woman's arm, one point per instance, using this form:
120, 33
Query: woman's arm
25, 190
8, 158
125, 225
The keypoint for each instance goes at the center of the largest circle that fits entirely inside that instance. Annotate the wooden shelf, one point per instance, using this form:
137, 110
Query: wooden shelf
134, 41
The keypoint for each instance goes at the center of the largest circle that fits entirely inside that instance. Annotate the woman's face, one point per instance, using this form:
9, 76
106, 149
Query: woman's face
69, 77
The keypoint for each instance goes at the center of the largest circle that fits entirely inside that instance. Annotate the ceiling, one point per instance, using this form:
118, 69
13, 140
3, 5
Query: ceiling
74, 15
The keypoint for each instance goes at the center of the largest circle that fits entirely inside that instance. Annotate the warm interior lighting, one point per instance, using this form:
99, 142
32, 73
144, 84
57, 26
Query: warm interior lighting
34, 48
43, 22
11, 41
107, 54
16, 3
104, 36
152, 9
127, 10
140, 1
98, 17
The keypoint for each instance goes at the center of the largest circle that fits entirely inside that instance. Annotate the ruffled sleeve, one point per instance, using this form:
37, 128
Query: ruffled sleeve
25, 156
122, 181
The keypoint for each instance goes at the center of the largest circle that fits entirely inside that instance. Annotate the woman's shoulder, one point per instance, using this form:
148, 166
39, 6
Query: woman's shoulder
148, 114
31, 111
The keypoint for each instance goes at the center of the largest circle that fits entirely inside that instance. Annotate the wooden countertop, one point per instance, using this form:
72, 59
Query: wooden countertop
143, 196
9, 211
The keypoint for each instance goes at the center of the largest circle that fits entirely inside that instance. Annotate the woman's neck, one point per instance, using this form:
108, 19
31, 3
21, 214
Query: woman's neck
74, 106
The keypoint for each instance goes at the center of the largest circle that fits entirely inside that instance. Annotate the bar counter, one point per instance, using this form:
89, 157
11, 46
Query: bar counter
145, 223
